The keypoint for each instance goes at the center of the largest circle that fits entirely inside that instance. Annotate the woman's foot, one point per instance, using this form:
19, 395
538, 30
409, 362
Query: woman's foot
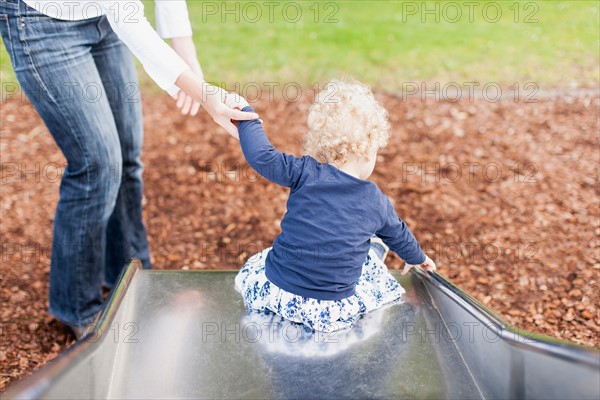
81, 331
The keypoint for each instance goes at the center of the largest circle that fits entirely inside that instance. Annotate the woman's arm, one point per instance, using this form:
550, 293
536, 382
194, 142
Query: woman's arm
163, 64
185, 47
158, 59
173, 22
172, 19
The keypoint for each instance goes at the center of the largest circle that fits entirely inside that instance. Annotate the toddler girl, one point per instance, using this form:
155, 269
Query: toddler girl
321, 270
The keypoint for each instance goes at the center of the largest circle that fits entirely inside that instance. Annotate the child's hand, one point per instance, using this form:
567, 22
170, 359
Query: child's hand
427, 265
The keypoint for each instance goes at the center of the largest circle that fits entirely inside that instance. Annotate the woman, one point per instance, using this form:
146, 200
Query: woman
73, 62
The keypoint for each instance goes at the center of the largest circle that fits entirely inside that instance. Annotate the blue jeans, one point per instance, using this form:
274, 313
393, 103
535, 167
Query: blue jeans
82, 81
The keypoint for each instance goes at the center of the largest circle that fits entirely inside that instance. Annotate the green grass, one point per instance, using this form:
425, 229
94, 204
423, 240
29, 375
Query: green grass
376, 42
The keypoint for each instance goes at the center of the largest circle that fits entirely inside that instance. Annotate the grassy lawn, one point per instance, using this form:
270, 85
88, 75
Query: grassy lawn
553, 43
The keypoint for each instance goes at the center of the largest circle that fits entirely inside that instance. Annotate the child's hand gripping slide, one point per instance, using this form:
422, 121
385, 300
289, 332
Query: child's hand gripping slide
427, 265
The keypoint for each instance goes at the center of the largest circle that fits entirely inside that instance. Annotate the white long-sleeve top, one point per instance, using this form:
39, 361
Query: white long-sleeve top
128, 21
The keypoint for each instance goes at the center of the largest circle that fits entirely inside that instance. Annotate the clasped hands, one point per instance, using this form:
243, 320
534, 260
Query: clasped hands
213, 99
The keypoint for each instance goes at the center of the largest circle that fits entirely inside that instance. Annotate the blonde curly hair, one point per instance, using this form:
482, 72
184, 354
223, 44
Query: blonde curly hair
345, 119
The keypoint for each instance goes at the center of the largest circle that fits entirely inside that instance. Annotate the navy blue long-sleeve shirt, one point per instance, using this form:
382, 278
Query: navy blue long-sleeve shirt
330, 219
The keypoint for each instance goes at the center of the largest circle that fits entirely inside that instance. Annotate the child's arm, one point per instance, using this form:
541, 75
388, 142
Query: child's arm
283, 169
400, 240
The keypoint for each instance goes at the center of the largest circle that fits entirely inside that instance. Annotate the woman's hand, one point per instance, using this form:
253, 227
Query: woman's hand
194, 91
234, 100
186, 49
222, 112
213, 100
427, 265
186, 104
237, 102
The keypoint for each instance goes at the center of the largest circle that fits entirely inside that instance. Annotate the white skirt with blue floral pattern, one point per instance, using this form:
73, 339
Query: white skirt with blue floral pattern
375, 288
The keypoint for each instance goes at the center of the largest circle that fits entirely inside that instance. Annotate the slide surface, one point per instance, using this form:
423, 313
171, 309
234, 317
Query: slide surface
187, 334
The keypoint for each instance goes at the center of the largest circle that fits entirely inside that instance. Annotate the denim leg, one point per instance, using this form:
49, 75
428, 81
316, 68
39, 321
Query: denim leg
54, 65
126, 233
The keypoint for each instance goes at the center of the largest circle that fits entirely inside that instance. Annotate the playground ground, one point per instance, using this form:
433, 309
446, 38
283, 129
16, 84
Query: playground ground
503, 195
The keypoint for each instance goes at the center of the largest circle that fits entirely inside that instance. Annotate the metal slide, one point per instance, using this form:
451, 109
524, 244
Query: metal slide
186, 334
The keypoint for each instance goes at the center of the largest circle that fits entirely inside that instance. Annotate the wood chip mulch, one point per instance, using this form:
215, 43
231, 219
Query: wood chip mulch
504, 196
